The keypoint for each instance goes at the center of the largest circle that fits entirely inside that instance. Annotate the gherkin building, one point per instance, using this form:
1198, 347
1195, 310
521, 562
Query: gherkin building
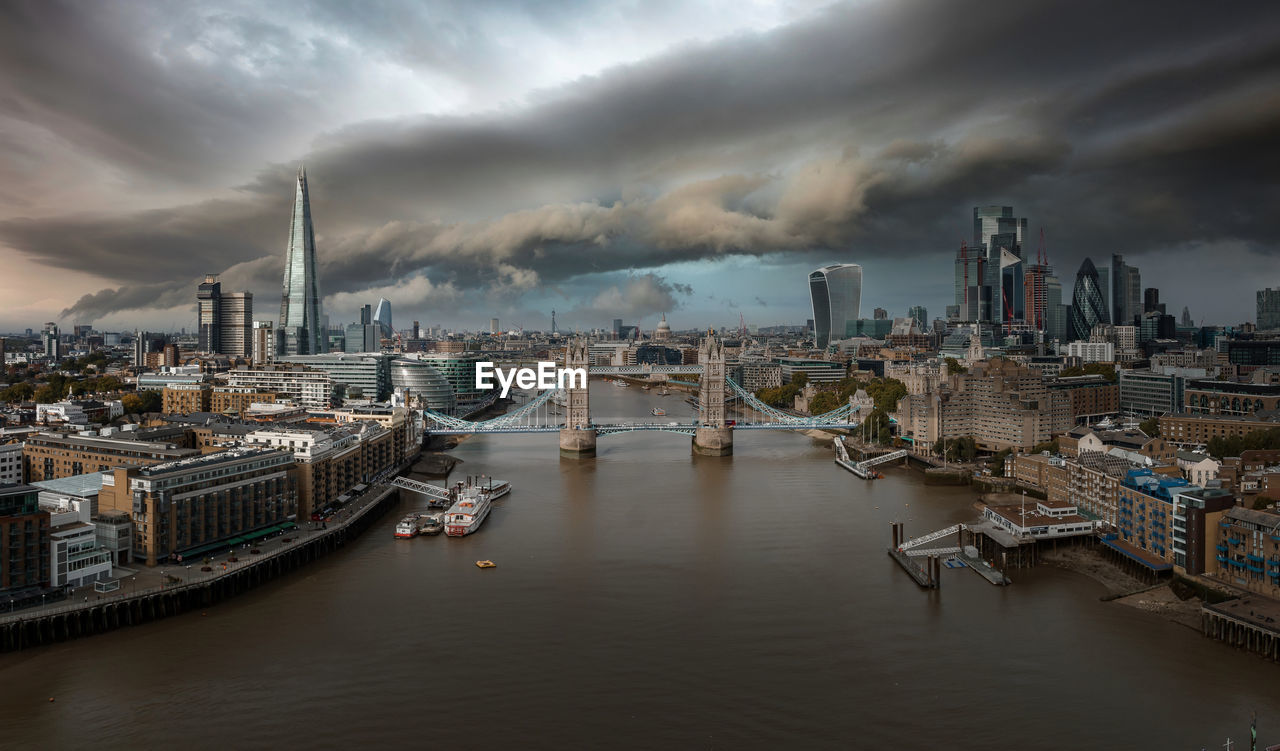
1088, 303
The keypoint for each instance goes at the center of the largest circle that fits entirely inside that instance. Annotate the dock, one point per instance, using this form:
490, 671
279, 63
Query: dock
908, 553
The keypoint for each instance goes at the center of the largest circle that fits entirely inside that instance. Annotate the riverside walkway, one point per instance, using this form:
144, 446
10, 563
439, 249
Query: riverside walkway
149, 594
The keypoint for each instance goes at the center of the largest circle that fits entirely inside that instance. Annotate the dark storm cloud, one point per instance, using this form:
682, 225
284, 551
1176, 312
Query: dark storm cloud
870, 130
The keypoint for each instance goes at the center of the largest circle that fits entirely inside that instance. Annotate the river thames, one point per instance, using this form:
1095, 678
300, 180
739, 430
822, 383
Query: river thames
650, 598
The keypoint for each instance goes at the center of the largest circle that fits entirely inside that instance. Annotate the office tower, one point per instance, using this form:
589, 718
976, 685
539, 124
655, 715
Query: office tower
997, 220
1119, 290
300, 315
1186, 317
920, 314
1034, 295
2, 355
170, 355
970, 263
263, 349
617, 328
235, 325
1056, 314
836, 295
1268, 309
1151, 301
1088, 304
382, 317
493, 325
880, 314
209, 315
417, 332
49, 338
1001, 234
366, 315
1132, 295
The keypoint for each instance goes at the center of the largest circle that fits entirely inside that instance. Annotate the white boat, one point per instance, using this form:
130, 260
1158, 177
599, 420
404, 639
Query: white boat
664, 391
658, 412
474, 500
621, 384
409, 526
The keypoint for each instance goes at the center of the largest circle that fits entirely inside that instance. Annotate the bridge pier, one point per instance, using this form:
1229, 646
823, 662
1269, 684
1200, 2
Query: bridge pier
713, 441
577, 443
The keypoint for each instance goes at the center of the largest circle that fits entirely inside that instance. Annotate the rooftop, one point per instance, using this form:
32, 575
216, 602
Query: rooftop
208, 460
76, 485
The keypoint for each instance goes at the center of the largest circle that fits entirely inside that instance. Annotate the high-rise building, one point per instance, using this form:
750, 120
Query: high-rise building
209, 314
1151, 301
2, 355
880, 314
1088, 304
263, 349
1186, 317
140, 349
300, 315
382, 317
1268, 309
970, 263
920, 315
1001, 234
836, 295
417, 332
235, 325
1035, 295
493, 325
52, 345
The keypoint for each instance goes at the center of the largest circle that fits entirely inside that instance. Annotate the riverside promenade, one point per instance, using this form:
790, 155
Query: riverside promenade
152, 593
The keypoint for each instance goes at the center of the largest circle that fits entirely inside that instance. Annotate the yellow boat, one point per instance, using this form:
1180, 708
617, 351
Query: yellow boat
486, 564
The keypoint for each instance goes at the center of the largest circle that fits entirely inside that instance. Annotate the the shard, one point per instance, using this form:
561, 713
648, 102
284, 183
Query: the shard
301, 331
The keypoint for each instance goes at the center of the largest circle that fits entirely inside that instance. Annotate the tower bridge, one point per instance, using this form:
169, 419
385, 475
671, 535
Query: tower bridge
567, 411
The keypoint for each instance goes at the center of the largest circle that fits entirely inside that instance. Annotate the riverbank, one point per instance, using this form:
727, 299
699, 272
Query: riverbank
184, 589
1123, 589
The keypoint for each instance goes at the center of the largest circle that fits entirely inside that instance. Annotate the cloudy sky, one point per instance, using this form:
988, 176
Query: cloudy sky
620, 159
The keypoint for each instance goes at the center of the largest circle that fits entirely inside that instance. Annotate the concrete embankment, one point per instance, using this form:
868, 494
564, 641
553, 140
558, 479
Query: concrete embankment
61, 623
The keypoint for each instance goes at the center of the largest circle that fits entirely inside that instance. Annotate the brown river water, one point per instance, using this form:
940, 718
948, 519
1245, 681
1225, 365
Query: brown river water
650, 598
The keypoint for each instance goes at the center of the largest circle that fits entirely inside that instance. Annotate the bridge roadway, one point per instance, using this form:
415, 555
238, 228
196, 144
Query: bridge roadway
612, 428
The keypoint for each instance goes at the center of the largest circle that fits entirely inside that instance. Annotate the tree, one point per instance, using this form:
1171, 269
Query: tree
1093, 368
1150, 426
996, 464
954, 366
823, 401
800, 379
47, 394
1050, 446
1235, 445
141, 402
18, 392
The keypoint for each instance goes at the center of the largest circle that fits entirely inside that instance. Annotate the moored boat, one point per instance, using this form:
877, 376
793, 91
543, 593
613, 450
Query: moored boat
474, 501
657, 412
408, 527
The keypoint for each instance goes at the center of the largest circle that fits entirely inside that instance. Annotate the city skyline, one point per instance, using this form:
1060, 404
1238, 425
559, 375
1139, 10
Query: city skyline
514, 188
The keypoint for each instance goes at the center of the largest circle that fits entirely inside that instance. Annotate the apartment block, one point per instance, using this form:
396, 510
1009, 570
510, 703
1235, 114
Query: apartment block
1198, 429
1247, 550
49, 456
185, 398
185, 509
24, 539
235, 400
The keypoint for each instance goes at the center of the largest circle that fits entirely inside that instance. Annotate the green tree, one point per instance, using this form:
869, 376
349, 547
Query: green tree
1093, 368
141, 402
1150, 426
1050, 446
996, 463
823, 401
18, 392
954, 366
47, 394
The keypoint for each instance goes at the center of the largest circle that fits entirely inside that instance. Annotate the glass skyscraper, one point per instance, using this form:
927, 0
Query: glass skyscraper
301, 332
836, 293
1088, 303
382, 317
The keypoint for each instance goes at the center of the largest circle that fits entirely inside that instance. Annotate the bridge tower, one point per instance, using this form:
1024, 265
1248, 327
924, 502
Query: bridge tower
713, 437
578, 437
